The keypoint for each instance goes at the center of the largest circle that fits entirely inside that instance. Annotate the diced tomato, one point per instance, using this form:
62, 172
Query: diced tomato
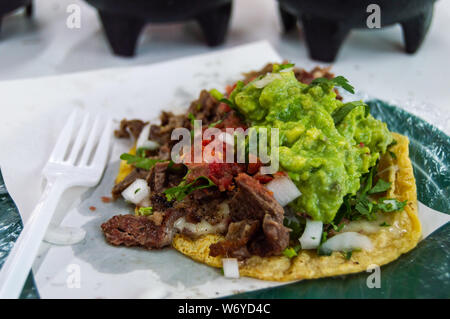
253, 168
263, 179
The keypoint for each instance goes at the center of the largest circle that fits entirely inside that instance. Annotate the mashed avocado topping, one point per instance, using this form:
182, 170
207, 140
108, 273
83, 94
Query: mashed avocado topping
325, 145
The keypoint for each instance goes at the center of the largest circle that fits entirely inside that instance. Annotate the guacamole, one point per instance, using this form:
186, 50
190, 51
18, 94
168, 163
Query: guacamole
324, 159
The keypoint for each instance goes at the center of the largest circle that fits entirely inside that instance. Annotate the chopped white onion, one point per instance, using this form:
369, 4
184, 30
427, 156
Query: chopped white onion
347, 241
230, 267
312, 235
64, 235
144, 142
283, 189
266, 80
137, 192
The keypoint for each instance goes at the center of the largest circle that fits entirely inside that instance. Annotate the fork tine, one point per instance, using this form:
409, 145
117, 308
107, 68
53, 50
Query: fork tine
91, 141
63, 141
80, 139
102, 151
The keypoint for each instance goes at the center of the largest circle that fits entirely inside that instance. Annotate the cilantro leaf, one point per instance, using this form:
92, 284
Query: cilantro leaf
365, 207
182, 190
141, 152
291, 252
380, 186
390, 205
215, 123
216, 94
394, 142
343, 83
337, 81
191, 117
286, 66
368, 180
347, 254
339, 114
139, 161
228, 102
145, 211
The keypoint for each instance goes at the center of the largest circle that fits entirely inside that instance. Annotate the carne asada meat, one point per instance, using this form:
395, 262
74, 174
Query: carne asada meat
196, 208
130, 230
205, 108
127, 126
164, 175
254, 202
238, 235
169, 121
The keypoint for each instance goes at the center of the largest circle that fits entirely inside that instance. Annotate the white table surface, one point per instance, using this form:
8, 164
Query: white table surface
373, 60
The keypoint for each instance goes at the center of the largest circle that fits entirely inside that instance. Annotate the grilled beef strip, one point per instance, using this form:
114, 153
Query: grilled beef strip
202, 204
253, 202
127, 126
169, 121
205, 108
130, 230
238, 235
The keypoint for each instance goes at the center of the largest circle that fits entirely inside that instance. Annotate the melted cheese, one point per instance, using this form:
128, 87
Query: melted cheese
203, 227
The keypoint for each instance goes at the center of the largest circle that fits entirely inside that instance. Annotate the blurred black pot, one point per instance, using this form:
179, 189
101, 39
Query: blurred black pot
326, 23
123, 20
7, 6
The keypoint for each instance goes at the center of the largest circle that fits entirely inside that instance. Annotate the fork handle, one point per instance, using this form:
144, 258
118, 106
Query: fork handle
18, 264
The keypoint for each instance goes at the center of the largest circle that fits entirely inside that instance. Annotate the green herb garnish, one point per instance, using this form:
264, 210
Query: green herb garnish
339, 114
191, 117
394, 142
337, 81
215, 123
139, 161
145, 211
380, 186
141, 152
182, 190
228, 102
347, 254
361, 204
216, 94
390, 205
279, 67
137, 190
291, 252
384, 224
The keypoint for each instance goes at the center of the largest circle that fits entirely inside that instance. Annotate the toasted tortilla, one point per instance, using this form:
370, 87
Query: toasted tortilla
389, 242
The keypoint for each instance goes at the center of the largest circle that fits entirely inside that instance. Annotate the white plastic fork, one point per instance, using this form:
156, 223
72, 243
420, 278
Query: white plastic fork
70, 164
